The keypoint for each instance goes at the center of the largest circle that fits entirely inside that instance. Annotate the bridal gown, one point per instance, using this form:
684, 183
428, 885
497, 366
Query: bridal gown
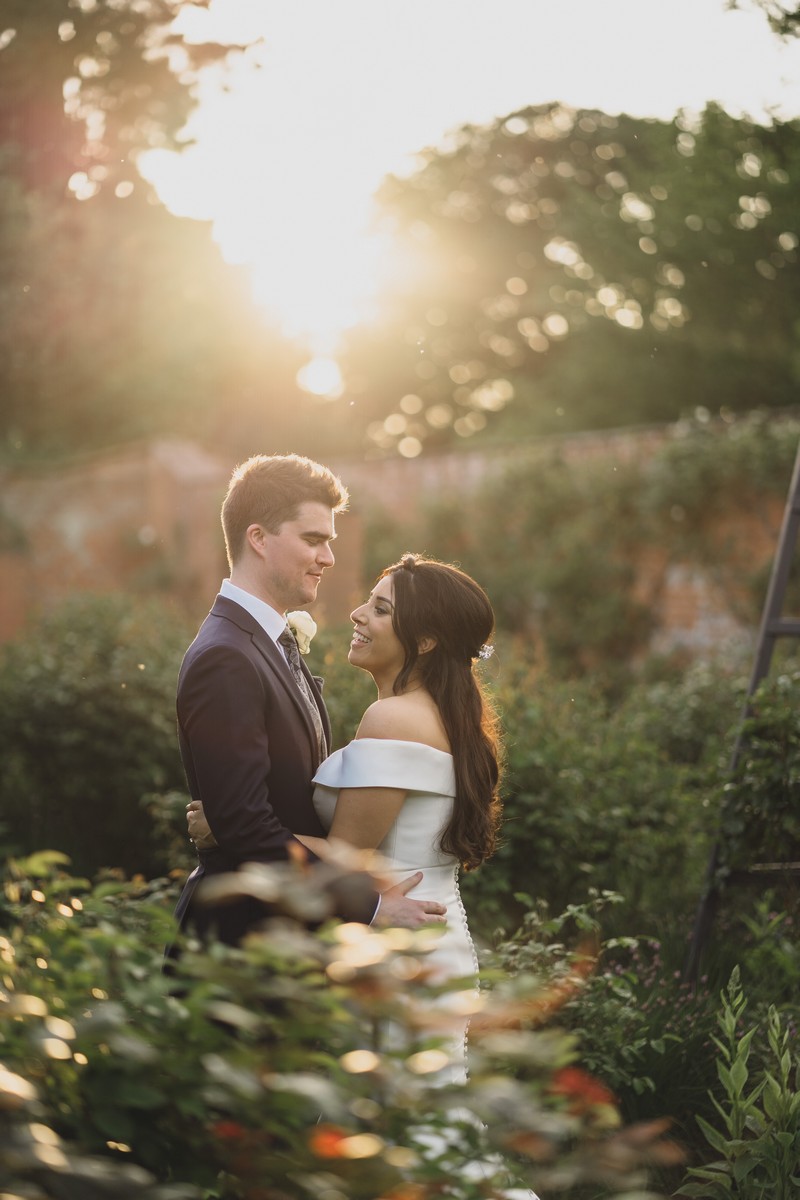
412, 844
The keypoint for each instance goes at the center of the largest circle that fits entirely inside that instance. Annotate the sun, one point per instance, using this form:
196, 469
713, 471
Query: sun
289, 194
316, 264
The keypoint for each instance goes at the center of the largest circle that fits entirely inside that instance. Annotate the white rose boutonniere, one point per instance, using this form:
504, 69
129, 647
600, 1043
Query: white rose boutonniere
303, 626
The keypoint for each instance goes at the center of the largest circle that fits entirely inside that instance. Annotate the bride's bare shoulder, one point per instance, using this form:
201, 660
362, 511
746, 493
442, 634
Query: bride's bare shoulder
407, 718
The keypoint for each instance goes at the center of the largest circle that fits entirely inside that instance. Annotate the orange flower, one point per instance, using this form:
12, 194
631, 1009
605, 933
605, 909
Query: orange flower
326, 1141
533, 1145
229, 1131
583, 1091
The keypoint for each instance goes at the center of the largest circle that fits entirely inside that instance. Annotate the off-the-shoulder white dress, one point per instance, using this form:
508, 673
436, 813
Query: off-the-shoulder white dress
412, 843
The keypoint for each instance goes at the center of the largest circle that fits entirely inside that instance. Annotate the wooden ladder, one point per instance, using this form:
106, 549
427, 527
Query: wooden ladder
773, 626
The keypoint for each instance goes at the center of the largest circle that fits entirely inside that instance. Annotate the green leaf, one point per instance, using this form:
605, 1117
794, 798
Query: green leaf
772, 1098
743, 1167
712, 1136
142, 1095
738, 1076
42, 862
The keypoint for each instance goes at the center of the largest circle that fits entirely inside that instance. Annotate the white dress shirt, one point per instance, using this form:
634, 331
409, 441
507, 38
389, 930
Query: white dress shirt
271, 621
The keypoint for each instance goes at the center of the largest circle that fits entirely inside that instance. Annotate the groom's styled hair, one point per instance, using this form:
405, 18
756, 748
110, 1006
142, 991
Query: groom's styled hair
269, 490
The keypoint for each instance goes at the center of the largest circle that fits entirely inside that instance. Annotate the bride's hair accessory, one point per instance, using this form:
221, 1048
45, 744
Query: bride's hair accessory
485, 651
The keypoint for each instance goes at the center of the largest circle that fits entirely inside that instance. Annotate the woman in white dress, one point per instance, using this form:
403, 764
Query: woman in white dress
419, 781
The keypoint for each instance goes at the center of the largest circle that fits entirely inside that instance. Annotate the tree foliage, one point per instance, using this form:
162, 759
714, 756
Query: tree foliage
577, 270
784, 18
117, 319
561, 269
103, 88
87, 735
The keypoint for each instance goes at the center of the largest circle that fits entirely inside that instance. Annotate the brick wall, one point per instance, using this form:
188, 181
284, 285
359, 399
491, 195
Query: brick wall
143, 519
146, 519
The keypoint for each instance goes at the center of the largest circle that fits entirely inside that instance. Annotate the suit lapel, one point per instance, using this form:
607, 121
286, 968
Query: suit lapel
279, 668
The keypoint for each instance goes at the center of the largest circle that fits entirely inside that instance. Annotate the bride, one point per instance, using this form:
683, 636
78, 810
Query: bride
419, 781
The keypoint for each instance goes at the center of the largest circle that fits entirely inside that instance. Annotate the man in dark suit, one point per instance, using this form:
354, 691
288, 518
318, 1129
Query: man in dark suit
252, 733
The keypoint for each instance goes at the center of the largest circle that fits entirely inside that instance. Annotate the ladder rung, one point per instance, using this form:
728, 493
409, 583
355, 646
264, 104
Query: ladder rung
762, 871
781, 628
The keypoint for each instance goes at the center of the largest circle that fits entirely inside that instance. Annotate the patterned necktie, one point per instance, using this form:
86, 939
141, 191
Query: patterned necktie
289, 644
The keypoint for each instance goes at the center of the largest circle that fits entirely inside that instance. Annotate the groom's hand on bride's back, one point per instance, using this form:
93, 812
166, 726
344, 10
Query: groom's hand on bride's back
397, 908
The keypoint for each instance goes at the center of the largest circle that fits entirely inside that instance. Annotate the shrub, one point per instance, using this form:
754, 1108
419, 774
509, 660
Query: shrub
602, 795
292, 1066
759, 803
758, 1145
87, 732
640, 1029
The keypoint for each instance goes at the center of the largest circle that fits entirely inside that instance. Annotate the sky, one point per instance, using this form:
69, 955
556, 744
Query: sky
287, 160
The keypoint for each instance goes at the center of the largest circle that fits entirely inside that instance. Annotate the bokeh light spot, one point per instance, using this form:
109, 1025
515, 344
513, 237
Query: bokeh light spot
55, 1048
395, 424
427, 1061
439, 416
81, 186
361, 1145
321, 377
555, 325
357, 1062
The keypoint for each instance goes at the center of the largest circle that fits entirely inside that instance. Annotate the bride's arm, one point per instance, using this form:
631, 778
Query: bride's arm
316, 845
203, 838
365, 815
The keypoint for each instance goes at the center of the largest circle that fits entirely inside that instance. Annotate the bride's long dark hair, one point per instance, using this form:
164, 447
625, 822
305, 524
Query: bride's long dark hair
436, 600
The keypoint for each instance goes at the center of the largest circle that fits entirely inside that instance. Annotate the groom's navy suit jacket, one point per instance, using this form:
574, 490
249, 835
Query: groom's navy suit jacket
249, 750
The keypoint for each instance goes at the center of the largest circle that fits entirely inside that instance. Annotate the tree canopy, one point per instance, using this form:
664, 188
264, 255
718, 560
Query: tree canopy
784, 19
580, 270
106, 85
117, 319
563, 269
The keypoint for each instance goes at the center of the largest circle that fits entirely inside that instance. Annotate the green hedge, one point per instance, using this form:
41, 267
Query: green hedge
87, 734
603, 795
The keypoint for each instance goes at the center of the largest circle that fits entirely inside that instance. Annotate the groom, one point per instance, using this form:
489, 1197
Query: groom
252, 727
